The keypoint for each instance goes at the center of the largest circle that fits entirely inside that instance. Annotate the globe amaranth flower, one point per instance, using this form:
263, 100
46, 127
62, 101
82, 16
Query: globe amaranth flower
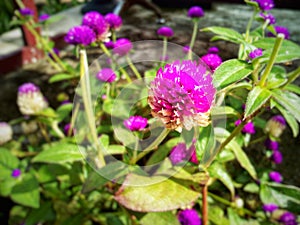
6, 132
213, 50
122, 46
212, 60
107, 75
275, 176
181, 153
189, 217
249, 127
272, 145
29, 127
186, 49
44, 17
265, 5
270, 207
26, 12
165, 32
275, 126
136, 123
280, 30
288, 218
195, 12
269, 17
98, 24
109, 44
276, 157
115, 21
30, 99
255, 53
16, 173
67, 130
80, 35
181, 95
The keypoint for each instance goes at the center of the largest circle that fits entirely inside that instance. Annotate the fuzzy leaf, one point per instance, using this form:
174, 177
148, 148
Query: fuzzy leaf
159, 218
256, 98
227, 33
61, 77
231, 71
8, 162
154, 194
205, 146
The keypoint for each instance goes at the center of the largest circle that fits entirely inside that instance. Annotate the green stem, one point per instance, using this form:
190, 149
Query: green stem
271, 62
249, 25
154, 144
164, 53
292, 76
87, 101
133, 68
195, 30
104, 49
56, 129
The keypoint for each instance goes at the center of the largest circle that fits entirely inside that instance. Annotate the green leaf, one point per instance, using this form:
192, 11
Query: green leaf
216, 215
8, 162
159, 218
205, 146
26, 192
218, 171
231, 71
154, 194
289, 50
64, 111
222, 112
251, 188
61, 77
256, 98
60, 153
285, 196
42, 214
292, 88
290, 119
227, 33
289, 101
93, 181
277, 77
115, 150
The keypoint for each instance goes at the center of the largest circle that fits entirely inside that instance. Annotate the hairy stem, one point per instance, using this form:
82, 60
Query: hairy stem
195, 30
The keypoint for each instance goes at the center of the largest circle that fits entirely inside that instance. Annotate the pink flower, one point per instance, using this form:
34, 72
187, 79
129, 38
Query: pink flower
115, 21
275, 176
180, 153
136, 123
182, 94
165, 31
212, 60
248, 128
107, 75
189, 217
195, 12
122, 46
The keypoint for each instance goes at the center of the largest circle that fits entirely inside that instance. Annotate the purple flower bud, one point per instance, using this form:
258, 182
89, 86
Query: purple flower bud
80, 35
28, 88
269, 207
189, 217
248, 128
44, 17
269, 16
136, 123
272, 145
16, 173
275, 126
178, 153
122, 46
98, 24
288, 218
186, 49
265, 5
109, 44
192, 152
276, 157
67, 128
115, 21
6, 132
280, 30
275, 176
26, 12
213, 50
255, 53
56, 51
212, 60
195, 12
107, 75
165, 31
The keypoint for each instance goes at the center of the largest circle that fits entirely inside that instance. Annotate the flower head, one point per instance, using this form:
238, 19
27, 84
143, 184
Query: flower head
109, 44
213, 50
29, 127
16, 173
26, 12
265, 5
44, 17
275, 126
98, 24
275, 176
288, 218
255, 53
165, 31
280, 30
67, 128
249, 127
272, 145
115, 21
6, 132
212, 60
276, 157
30, 99
186, 49
269, 207
181, 95
122, 46
80, 35
269, 16
189, 217
180, 153
107, 75
195, 12
136, 123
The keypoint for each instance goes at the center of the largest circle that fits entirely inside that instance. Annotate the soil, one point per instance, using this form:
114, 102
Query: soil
135, 22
